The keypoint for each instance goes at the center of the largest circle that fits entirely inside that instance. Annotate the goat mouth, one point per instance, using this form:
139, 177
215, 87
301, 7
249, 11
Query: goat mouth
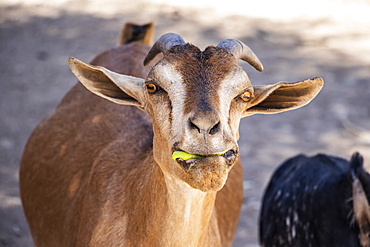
187, 160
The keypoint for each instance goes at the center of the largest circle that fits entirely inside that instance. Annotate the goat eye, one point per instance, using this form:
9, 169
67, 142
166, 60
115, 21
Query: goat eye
151, 87
246, 96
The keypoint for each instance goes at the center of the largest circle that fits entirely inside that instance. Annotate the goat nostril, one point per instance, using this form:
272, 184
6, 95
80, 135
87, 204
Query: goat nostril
214, 129
204, 125
193, 126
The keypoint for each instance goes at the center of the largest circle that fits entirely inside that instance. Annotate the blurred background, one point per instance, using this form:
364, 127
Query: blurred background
295, 40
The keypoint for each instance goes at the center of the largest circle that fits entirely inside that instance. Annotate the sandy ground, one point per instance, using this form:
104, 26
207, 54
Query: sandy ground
329, 39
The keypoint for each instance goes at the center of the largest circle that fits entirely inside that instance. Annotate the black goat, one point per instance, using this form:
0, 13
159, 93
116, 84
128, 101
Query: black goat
317, 201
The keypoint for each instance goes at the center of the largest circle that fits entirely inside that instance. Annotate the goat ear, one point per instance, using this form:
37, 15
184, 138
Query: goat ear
283, 96
121, 89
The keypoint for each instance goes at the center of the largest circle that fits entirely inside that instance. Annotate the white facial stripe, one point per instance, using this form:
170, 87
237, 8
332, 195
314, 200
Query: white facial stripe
232, 85
172, 81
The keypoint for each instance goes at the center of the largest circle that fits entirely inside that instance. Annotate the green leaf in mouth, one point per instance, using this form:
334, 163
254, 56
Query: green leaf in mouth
186, 156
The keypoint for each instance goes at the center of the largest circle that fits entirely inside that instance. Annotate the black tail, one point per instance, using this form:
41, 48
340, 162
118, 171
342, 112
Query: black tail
132, 32
357, 170
356, 164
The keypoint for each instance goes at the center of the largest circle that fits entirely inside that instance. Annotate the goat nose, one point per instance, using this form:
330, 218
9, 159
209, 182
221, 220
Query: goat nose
205, 123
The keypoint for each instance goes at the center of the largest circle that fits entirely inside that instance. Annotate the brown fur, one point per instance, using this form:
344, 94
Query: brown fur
85, 183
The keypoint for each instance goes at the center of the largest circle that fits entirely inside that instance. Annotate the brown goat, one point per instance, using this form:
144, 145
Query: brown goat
97, 173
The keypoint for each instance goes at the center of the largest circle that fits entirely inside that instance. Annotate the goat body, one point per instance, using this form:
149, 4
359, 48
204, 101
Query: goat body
317, 201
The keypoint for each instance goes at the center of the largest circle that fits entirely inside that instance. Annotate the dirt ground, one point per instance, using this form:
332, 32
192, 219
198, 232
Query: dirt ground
330, 40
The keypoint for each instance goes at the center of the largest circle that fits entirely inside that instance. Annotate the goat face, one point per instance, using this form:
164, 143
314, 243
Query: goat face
196, 100
197, 96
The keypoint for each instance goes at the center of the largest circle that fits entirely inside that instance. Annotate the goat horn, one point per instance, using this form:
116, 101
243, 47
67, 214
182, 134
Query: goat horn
164, 43
241, 51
